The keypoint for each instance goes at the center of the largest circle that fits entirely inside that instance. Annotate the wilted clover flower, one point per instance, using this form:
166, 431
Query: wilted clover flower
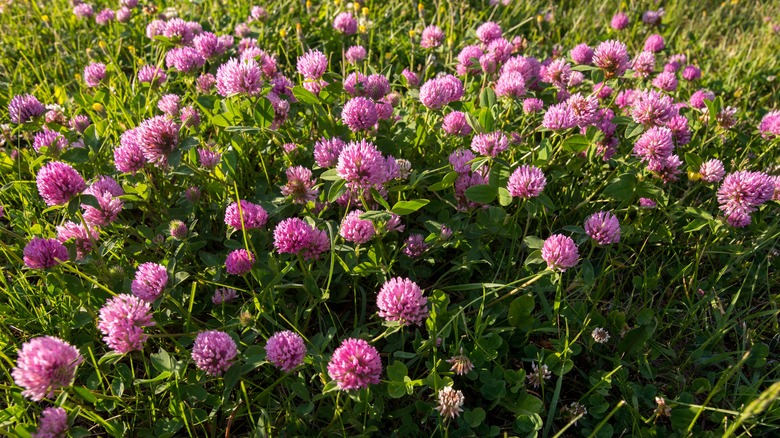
490, 144
460, 364
712, 170
415, 245
254, 215
83, 239
450, 402
224, 295
122, 320
600, 335
355, 365
213, 352
42, 253
239, 77
359, 114
58, 182
239, 262
612, 57
286, 350
295, 236
402, 300
149, 282
538, 375
300, 185
560, 252
573, 411
45, 365
53, 423
603, 227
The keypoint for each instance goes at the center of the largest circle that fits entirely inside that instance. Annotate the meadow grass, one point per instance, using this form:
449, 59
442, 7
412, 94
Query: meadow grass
689, 301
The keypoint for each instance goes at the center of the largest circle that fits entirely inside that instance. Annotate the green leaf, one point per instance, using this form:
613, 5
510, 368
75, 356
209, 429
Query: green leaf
621, 188
534, 258
634, 130
693, 161
305, 95
481, 194
162, 362
76, 155
576, 143
520, 311
397, 371
330, 175
85, 394
695, 225
486, 119
403, 208
533, 242
487, 98
378, 198
337, 189
475, 417
396, 389
504, 198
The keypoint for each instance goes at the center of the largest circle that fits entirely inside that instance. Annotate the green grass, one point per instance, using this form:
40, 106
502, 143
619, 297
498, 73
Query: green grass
691, 303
